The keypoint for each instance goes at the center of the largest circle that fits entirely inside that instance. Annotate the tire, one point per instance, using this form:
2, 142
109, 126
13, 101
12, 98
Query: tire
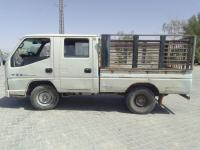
44, 97
141, 100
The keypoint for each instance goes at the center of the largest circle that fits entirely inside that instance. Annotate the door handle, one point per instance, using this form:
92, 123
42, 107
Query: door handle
48, 70
87, 70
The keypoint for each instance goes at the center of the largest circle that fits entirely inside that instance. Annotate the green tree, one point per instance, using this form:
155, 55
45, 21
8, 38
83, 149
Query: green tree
193, 28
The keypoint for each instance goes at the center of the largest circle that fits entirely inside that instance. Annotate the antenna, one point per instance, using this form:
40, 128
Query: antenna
61, 17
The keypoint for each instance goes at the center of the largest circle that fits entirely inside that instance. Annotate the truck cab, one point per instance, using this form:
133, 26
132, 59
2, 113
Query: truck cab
67, 62
46, 67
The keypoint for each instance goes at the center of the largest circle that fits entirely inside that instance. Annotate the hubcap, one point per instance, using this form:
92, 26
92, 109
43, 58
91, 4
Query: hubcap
141, 101
45, 98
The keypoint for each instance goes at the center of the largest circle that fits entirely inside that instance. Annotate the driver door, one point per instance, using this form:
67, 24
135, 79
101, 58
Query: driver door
33, 60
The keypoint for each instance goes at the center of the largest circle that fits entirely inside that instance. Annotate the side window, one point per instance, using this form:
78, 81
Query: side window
76, 48
31, 50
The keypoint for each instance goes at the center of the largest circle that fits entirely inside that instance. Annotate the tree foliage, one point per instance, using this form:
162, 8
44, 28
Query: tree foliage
193, 28
189, 27
3, 55
174, 27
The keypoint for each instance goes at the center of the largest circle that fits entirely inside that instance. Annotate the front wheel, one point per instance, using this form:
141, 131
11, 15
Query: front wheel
44, 97
140, 100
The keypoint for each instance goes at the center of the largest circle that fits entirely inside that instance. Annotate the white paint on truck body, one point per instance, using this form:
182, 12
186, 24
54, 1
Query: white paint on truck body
68, 74
166, 83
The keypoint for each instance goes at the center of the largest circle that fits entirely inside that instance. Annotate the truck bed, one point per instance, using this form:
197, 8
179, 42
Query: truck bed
164, 61
169, 82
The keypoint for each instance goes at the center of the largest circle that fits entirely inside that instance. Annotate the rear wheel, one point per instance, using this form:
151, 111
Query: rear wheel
44, 97
140, 100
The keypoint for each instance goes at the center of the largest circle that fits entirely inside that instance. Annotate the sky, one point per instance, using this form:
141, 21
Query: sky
22, 17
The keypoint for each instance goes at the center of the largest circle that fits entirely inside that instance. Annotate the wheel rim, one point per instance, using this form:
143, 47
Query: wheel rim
141, 101
45, 98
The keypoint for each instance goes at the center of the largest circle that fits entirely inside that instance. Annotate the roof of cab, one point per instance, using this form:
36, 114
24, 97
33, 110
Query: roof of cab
60, 35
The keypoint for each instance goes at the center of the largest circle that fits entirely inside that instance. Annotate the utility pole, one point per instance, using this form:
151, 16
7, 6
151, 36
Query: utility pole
61, 17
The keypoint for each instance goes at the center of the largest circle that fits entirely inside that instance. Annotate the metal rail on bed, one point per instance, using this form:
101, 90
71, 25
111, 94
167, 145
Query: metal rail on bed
147, 52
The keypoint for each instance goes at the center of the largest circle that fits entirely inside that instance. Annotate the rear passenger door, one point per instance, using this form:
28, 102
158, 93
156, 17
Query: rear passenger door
76, 71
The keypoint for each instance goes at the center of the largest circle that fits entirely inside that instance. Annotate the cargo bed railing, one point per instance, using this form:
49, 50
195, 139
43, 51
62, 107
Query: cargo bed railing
147, 52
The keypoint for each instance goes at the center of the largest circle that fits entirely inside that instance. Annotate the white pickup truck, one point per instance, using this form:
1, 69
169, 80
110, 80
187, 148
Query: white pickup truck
143, 68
